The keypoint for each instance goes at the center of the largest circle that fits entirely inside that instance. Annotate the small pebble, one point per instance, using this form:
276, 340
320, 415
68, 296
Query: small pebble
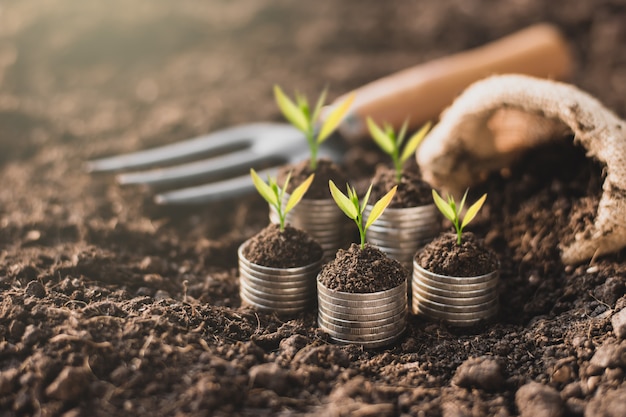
619, 323
270, 376
36, 289
70, 384
481, 372
611, 404
609, 355
8, 380
537, 400
572, 390
31, 335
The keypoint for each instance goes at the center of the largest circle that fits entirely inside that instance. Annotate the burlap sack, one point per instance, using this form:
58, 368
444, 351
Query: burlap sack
497, 118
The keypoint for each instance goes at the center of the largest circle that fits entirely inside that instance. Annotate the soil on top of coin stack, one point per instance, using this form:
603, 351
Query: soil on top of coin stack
364, 270
290, 248
326, 170
445, 257
412, 190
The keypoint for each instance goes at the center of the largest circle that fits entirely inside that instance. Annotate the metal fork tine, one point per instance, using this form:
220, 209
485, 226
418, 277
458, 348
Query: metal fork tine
216, 191
213, 167
220, 140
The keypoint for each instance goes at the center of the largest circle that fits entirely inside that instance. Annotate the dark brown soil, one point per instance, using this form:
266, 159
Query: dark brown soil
364, 270
412, 190
326, 170
287, 249
112, 306
445, 256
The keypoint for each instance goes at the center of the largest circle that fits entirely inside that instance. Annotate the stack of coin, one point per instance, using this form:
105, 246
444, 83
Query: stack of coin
368, 319
322, 219
401, 232
280, 290
459, 301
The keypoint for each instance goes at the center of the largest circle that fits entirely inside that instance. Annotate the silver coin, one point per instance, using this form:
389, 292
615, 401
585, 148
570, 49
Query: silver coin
278, 296
356, 314
368, 344
362, 321
387, 303
457, 287
452, 294
372, 296
426, 310
359, 310
455, 308
279, 286
278, 273
380, 331
273, 309
445, 279
243, 291
454, 301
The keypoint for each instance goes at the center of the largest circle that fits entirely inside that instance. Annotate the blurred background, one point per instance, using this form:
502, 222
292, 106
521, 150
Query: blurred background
81, 79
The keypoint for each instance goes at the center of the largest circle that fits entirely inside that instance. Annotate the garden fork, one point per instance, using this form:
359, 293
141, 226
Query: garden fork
416, 94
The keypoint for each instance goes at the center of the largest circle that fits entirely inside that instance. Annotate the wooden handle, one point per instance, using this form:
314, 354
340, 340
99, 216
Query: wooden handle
422, 92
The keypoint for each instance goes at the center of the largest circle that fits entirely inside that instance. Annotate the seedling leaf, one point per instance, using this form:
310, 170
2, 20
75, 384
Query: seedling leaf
335, 117
366, 198
290, 110
380, 206
380, 137
319, 104
414, 142
462, 203
342, 201
298, 193
444, 207
264, 189
473, 210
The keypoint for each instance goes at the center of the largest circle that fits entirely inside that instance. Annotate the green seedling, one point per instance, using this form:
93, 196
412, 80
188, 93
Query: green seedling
451, 211
391, 143
351, 206
273, 194
299, 114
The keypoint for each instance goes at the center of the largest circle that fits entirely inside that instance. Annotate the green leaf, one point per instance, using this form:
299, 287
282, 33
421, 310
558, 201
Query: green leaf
298, 193
381, 138
290, 110
366, 198
401, 134
444, 207
473, 210
265, 190
414, 142
285, 185
335, 117
318, 106
462, 203
380, 206
342, 201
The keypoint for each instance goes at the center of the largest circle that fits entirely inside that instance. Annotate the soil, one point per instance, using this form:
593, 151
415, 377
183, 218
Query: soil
289, 248
113, 306
412, 191
444, 256
362, 270
326, 170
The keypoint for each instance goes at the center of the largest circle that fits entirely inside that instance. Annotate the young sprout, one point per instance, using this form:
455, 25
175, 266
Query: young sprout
273, 194
353, 209
299, 114
451, 212
391, 143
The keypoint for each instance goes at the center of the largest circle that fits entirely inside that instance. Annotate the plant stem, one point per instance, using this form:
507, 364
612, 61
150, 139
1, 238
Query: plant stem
398, 172
359, 224
458, 231
313, 148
